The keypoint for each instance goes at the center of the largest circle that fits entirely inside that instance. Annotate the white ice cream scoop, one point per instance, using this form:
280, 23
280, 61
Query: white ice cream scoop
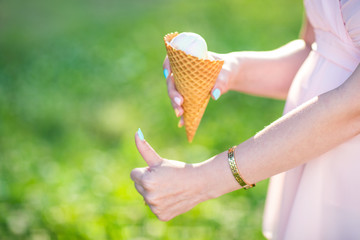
191, 43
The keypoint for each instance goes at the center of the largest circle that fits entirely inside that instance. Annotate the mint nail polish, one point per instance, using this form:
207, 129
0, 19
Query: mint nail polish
140, 134
166, 73
216, 93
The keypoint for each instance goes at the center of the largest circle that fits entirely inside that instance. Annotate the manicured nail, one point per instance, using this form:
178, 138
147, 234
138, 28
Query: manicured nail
177, 101
177, 113
216, 93
140, 134
166, 73
180, 124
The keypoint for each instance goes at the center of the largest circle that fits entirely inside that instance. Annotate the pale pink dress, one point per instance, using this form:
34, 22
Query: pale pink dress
321, 199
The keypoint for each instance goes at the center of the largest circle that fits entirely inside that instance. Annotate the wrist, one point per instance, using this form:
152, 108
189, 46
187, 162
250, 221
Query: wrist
237, 61
215, 177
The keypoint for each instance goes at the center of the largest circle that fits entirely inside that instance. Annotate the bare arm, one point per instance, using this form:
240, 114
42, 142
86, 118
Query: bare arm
270, 73
308, 131
315, 127
172, 187
267, 74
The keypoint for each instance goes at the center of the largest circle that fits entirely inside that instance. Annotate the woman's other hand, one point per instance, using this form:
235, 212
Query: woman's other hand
221, 86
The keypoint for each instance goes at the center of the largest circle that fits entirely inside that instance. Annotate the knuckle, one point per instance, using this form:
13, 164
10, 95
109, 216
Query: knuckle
171, 94
139, 190
172, 91
223, 75
148, 183
151, 199
166, 64
168, 84
161, 213
169, 90
169, 81
134, 174
155, 210
163, 218
148, 180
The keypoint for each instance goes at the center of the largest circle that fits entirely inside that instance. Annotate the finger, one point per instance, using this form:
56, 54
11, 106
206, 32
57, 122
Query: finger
179, 111
220, 85
166, 67
216, 93
140, 189
181, 122
146, 151
137, 174
175, 97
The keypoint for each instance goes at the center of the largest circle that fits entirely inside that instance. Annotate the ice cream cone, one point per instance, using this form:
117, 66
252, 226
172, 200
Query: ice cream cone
194, 79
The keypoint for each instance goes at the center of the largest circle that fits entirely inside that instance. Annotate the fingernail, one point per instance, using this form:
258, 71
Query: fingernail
216, 93
177, 100
177, 113
140, 134
180, 124
166, 73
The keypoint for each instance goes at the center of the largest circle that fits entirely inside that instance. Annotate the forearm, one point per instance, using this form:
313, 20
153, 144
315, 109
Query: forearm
299, 136
269, 73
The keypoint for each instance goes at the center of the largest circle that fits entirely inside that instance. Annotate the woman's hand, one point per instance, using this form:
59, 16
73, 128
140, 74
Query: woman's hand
168, 187
222, 85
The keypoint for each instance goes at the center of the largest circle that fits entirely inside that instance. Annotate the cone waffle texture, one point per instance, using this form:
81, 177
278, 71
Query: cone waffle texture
194, 79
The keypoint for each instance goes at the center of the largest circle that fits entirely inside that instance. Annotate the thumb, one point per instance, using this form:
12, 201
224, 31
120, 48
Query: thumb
146, 151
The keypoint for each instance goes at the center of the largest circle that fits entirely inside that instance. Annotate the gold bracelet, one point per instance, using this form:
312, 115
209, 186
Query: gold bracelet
235, 170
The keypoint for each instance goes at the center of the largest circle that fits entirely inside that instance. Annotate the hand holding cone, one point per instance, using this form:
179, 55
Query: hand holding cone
194, 78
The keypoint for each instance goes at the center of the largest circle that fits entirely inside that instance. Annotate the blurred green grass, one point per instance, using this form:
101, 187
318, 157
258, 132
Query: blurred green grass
77, 78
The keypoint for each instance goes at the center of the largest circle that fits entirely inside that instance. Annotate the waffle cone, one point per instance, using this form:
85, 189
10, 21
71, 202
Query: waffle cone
194, 79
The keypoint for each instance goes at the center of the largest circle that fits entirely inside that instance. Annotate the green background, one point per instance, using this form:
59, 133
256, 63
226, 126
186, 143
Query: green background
77, 78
